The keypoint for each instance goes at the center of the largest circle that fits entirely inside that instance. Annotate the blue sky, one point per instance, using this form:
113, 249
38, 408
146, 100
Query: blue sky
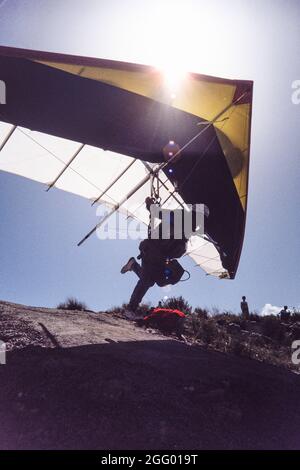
40, 263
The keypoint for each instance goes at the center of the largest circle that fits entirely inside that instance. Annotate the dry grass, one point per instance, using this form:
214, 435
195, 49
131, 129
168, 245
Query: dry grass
266, 339
71, 303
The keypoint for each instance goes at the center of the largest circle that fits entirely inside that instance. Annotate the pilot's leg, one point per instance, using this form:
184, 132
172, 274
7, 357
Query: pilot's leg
144, 283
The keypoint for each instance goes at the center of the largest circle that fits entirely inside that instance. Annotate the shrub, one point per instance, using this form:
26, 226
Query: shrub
208, 331
254, 316
201, 312
72, 304
178, 303
239, 348
214, 312
295, 316
193, 324
227, 317
271, 327
144, 309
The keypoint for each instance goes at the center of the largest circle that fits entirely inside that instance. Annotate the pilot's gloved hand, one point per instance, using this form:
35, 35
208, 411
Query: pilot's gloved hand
149, 201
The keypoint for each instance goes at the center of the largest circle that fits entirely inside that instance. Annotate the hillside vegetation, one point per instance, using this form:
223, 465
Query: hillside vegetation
262, 338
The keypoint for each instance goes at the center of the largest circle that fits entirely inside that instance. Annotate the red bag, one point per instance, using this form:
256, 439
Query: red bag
164, 313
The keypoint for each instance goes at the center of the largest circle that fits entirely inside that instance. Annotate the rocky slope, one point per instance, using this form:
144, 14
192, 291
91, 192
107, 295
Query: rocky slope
81, 380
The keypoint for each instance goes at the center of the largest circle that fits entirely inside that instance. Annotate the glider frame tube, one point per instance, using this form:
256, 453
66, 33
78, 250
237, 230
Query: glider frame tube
10, 133
116, 207
114, 181
65, 167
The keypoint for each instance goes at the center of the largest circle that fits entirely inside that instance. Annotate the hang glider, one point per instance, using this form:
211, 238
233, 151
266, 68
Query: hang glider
98, 128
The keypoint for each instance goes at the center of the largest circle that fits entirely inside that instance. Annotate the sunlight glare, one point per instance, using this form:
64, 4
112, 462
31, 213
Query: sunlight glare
174, 77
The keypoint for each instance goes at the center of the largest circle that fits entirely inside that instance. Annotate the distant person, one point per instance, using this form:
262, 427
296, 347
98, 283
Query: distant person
285, 314
245, 308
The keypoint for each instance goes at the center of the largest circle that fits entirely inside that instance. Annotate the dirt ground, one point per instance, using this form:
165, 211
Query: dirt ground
81, 380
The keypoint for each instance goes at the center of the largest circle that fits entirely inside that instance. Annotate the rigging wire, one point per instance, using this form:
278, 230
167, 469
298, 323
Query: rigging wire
75, 171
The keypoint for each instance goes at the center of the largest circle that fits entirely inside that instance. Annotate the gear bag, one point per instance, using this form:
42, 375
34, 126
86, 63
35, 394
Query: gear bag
170, 272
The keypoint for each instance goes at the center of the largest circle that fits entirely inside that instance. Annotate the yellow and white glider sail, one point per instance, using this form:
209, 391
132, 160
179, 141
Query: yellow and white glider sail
127, 110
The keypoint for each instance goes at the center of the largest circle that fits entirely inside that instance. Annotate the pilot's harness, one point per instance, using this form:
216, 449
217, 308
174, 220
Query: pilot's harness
172, 271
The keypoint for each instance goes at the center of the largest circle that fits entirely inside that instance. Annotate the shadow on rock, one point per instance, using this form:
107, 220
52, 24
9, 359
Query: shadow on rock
145, 395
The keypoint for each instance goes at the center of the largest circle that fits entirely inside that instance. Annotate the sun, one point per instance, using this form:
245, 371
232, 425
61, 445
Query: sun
174, 77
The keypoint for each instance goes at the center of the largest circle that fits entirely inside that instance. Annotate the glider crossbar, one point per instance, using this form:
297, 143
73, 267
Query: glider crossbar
116, 207
66, 167
10, 133
114, 181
